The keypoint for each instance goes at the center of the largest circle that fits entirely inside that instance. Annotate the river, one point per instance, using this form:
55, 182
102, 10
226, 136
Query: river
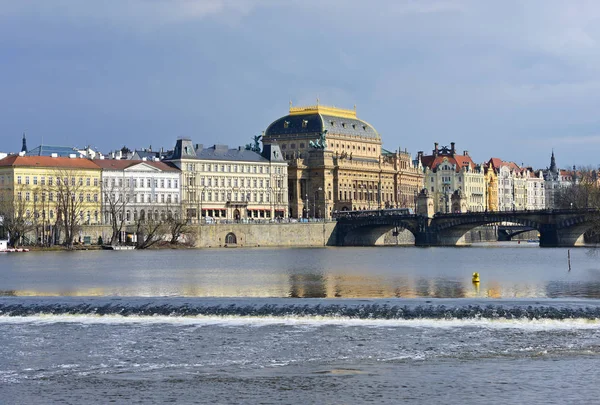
314, 325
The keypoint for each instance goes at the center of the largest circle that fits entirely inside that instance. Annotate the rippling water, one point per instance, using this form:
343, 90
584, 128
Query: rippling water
341, 325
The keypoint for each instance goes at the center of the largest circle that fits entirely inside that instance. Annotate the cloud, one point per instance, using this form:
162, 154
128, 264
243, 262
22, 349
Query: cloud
139, 12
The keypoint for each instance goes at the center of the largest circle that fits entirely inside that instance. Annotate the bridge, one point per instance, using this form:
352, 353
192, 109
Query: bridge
557, 228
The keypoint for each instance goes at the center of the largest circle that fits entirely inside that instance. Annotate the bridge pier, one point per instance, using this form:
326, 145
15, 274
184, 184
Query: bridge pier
551, 236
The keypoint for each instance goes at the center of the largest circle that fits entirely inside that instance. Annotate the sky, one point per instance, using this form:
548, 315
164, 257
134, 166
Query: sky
508, 79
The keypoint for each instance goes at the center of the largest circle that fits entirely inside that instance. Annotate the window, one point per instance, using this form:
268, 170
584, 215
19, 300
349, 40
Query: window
286, 124
87, 181
35, 180
26, 179
304, 123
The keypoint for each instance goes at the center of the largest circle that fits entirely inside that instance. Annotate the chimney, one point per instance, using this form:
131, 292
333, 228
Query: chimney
54, 155
452, 147
419, 155
144, 159
466, 153
435, 149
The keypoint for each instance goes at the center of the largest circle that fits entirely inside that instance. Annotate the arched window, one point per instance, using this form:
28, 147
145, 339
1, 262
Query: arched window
230, 239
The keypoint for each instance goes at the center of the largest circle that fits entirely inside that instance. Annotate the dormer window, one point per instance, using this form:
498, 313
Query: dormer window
332, 123
343, 124
286, 124
353, 126
364, 127
304, 123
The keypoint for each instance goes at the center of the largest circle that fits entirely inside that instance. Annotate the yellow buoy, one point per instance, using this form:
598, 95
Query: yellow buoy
475, 278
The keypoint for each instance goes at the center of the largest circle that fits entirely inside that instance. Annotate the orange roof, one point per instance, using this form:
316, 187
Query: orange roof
460, 161
47, 161
497, 163
120, 164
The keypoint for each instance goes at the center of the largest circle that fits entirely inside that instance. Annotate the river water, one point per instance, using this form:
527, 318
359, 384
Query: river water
328, 325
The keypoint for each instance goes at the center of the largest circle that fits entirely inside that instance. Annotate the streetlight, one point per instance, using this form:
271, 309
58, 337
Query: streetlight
306, 205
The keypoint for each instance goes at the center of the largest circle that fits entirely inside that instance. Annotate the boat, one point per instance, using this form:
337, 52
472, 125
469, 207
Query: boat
118, 247
5, 249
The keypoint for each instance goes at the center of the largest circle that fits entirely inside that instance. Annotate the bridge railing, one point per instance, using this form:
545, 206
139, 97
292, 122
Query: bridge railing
408, 212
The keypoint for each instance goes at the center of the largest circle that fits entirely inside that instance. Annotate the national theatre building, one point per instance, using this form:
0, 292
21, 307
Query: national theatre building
336, 162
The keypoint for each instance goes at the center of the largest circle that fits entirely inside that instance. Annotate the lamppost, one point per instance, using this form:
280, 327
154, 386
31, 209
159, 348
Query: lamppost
315, 202
200, 200
306, 205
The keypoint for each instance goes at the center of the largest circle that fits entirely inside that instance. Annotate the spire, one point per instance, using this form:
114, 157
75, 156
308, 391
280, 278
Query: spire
24, 148
553, 168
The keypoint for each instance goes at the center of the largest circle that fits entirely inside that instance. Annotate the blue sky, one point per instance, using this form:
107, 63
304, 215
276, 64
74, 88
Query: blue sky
507, 79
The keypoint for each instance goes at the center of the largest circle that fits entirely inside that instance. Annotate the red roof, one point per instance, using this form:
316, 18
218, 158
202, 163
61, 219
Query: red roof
497, 163
47, 161
120, 164
460, 161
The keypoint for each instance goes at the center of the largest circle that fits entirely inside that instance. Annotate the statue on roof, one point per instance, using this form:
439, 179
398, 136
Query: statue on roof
254, 147
320, 142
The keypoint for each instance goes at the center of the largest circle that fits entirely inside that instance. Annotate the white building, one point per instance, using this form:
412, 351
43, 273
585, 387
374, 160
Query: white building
134, 190
536, 193
219, 183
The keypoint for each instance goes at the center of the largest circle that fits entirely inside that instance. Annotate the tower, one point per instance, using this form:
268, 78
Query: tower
24, 147
553, 168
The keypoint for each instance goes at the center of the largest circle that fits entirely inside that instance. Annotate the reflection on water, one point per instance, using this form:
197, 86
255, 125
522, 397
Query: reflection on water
506, 272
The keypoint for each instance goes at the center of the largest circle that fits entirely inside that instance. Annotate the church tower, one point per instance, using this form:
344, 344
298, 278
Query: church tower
24, 147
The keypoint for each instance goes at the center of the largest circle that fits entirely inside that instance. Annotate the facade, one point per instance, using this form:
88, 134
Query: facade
450, 175
535, 186
34, 188
219, 183
556, 179
138, 189
336, 162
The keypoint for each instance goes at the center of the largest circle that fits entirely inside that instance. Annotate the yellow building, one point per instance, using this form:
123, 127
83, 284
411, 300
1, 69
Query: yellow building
49, 193
336, 162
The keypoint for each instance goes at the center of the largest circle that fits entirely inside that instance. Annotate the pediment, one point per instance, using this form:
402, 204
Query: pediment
142, 167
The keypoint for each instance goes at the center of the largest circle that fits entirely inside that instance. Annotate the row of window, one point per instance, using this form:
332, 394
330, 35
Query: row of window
51, 196
209, 167
143, 215
43, 180
235, 182
235, 196
140, 183
83, 216
142, 198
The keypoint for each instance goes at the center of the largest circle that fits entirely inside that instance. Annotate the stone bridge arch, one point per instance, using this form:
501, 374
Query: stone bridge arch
371, 233
452, 231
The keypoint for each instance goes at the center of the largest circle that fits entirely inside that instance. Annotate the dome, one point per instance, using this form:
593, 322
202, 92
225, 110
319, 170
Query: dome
314, 120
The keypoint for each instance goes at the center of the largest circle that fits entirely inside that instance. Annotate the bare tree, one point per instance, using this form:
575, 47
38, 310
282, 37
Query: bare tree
150, 228
16, 218
69, 190
117, 195
584, 192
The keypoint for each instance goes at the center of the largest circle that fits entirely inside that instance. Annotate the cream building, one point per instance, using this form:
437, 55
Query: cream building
336, 162
219, 183
453, 180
